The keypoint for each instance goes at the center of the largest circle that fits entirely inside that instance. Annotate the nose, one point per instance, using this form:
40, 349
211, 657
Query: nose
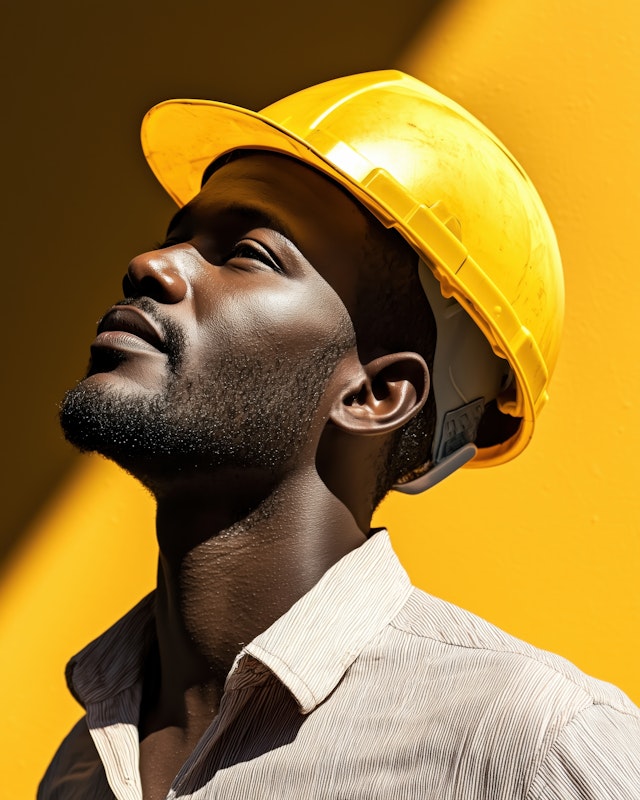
157, 274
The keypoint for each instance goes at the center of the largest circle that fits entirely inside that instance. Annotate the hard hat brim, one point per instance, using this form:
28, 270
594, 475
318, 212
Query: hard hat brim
180, 138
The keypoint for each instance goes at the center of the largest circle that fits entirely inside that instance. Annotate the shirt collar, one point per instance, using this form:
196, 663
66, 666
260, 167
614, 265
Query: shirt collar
114, 661
309, 648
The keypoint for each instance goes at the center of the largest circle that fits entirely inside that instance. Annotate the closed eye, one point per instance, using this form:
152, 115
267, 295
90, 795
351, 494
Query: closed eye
252, 250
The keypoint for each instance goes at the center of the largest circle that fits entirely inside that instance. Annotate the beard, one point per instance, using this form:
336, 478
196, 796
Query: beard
245, 411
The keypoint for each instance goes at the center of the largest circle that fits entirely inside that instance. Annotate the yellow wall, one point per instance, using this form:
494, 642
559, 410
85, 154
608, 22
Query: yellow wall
90, 556
547, 546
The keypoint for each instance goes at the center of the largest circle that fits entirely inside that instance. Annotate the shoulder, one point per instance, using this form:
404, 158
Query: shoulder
510, 711
76, 770
463, 638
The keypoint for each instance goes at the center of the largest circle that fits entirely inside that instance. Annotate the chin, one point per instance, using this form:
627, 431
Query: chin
95, 415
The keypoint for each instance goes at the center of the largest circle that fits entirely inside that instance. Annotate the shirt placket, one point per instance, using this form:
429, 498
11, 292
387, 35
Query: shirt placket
248, 675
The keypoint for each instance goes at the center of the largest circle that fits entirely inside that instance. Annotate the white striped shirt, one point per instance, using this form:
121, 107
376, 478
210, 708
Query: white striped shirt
366, 688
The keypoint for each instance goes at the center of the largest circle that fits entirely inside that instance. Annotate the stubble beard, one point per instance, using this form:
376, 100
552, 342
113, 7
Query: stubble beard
244, 412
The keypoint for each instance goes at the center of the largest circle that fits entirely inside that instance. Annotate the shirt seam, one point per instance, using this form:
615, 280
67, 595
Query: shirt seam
593, 700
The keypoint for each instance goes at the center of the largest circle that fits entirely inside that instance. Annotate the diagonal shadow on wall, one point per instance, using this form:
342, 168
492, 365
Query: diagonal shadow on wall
79, 200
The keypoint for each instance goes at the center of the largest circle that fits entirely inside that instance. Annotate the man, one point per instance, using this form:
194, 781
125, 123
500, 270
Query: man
361, 290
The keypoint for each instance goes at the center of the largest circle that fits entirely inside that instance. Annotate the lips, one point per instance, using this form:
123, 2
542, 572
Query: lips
127, 327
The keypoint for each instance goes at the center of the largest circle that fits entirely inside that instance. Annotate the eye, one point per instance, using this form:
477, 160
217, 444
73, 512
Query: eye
254, 251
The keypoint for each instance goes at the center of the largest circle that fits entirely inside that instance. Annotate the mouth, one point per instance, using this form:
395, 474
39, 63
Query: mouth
126, 327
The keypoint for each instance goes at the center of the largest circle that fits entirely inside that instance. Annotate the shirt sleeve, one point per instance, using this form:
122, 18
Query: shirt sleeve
595, 757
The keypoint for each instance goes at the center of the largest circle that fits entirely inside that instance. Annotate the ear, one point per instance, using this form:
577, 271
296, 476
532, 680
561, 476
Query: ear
391, 390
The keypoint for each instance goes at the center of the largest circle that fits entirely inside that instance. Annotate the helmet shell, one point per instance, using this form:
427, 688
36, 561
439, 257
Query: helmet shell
425, 166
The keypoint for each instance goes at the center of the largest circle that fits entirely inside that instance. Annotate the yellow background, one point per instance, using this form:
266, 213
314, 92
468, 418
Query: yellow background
547, 546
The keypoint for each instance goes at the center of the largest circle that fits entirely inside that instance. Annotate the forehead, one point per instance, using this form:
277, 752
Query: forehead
329, 228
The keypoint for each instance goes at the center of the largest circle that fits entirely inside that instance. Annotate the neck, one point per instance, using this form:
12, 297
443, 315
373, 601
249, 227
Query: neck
228, 568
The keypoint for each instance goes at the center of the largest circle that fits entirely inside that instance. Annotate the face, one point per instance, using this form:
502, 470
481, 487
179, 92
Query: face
231, 332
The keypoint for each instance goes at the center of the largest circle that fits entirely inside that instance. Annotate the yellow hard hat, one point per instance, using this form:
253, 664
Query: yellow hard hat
425, 166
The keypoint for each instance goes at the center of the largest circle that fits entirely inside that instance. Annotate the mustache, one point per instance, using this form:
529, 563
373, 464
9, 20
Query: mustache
172, 334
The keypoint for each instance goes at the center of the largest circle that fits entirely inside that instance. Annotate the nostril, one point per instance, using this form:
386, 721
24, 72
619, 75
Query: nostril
128, 289
150, 286
140, 285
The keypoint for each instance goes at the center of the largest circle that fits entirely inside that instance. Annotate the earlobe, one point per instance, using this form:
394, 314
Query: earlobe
392, 389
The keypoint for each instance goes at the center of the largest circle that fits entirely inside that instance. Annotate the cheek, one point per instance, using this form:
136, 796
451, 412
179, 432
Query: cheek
289, 320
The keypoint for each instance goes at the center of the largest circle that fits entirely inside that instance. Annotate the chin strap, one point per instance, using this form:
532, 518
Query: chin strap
467, 374
438, 472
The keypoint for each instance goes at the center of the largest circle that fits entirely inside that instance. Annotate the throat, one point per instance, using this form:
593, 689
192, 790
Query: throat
162, 754
227, 586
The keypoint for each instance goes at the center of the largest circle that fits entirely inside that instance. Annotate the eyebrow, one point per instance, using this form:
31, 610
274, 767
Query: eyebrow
262, 217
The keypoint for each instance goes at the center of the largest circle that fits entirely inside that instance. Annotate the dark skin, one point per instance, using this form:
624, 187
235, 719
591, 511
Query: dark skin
296, 242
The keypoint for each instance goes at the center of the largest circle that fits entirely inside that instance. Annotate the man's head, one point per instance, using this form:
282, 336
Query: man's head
261, 320
471, 235
424, 166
